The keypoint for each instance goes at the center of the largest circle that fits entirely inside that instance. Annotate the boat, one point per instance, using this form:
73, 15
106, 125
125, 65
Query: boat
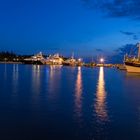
37, 59
121, 67
132, 63
54, 60
70, 61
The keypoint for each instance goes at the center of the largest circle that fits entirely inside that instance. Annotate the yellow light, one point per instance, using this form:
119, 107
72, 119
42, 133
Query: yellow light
100, 105
78, 94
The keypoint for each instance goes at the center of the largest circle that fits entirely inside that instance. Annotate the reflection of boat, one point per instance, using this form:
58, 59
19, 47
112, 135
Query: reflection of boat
133, 75
133, 63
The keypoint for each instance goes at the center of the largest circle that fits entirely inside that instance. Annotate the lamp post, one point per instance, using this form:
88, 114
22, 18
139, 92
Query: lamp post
102, 61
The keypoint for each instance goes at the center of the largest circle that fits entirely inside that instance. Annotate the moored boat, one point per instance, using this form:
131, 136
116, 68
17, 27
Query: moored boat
70, 62
54, 60
132, 64
36, 59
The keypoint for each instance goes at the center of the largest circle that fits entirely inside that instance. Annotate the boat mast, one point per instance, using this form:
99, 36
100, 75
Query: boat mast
138, 50
72, 55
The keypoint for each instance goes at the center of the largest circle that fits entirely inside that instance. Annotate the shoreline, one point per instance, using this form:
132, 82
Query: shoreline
10, 62
84, 65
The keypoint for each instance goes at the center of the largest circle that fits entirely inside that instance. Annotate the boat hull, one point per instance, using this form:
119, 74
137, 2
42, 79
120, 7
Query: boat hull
132, 69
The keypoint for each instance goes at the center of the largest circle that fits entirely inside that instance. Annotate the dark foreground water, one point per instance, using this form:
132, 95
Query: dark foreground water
65, 103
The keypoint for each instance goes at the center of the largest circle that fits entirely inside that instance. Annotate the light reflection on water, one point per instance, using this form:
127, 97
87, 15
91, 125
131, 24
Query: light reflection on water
78, 94
36, 83
100, 103
59, 101
132, 75
54, 80
5, 72
15, 77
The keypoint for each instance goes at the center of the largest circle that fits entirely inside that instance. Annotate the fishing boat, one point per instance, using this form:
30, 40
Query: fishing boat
132, 63
70, 61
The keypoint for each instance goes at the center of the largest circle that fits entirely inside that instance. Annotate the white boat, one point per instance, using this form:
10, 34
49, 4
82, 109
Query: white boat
54, 60
132, 69
132, 64
36, 59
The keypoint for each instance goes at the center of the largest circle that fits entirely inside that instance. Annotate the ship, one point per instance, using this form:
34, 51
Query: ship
54, 60
70, 61
132, 63
37, 59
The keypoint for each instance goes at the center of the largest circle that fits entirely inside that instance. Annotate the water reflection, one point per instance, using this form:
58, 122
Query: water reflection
54, 80
15, 78
100, 105
36, 79
78, 94
133, 75
5, 72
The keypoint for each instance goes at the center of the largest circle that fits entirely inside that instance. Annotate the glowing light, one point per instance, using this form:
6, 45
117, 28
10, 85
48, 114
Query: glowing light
101, 60
79, 59
78, 94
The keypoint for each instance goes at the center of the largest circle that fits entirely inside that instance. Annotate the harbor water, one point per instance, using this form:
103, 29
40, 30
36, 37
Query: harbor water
68, 103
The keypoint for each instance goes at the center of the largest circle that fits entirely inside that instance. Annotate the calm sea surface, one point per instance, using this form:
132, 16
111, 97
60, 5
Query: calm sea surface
67, 103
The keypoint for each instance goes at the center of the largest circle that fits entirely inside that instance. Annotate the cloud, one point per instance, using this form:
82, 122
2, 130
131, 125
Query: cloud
130, 49
127, 33
135, 36
118, 56
117, 8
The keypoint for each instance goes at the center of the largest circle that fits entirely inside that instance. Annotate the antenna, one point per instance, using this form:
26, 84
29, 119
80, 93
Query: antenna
138, 45
72, 55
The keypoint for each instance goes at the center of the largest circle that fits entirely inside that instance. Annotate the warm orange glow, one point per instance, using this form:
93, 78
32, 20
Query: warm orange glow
100, 105
78, 93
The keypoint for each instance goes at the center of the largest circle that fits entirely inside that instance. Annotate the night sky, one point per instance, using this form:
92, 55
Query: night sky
85, 27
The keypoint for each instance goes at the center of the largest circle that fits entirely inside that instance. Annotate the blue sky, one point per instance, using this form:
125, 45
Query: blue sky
64, 26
